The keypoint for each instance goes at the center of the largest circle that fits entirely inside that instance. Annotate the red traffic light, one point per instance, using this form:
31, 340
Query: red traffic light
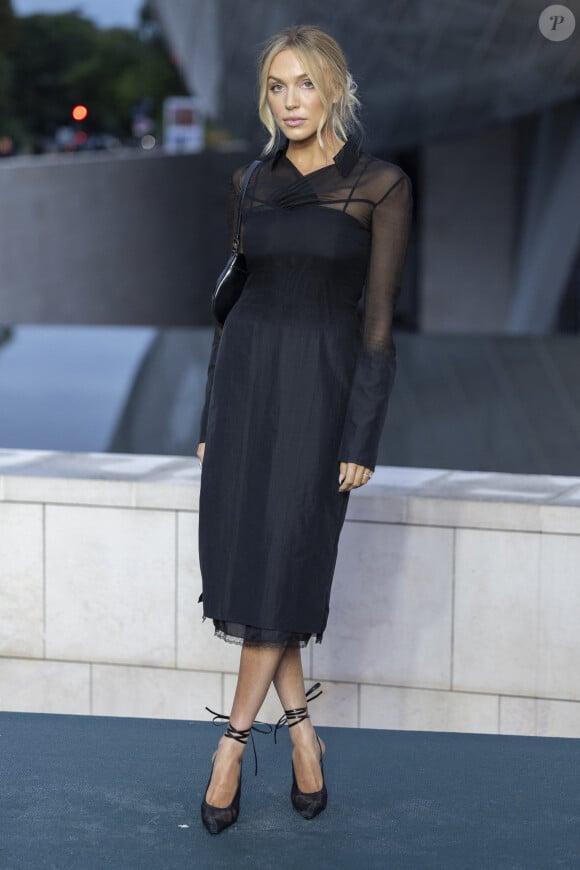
80, 113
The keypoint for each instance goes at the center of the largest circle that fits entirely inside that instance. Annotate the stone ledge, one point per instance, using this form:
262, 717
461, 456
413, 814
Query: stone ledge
417, 496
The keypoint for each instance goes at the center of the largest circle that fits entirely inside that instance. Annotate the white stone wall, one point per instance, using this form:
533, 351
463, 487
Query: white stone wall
454, 607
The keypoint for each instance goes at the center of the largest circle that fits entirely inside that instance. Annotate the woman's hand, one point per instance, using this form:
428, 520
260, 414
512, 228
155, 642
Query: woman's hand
353, 475
200, 451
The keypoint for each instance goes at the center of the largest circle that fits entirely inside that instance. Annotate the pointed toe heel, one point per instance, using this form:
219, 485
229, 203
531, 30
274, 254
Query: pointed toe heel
308, 804
216, 819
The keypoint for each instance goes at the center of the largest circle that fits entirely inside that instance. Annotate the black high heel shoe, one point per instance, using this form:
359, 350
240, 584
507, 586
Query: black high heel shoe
308, 804
216, 819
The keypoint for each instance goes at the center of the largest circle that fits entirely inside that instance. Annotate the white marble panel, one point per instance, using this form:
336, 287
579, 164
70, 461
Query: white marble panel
539, 717
427, 710
558, 641
110, 584
134, 465
496, 611
405, 478
337, 706
167, 494
379, 505
159, 693
61, 490
197, 646
21, 580
561, 518
40, 686
471, 485
570, 496
120, 480
517, 715
390, 607
474, 513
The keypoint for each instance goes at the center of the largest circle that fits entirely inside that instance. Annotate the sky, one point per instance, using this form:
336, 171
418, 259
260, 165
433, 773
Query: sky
105, 13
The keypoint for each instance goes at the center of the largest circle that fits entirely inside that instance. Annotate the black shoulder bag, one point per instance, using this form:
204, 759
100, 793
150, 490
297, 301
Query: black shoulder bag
231, 281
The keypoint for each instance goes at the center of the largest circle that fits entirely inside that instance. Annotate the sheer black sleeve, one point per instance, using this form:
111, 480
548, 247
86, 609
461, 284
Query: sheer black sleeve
235, 185
376, 364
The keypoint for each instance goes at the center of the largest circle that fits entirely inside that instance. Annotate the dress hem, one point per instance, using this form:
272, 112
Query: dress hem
256, 636
241, 641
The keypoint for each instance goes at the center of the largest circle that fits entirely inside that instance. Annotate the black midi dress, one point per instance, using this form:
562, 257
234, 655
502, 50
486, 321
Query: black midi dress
298, 380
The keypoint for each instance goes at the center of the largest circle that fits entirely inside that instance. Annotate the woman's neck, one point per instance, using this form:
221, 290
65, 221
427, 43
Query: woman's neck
308, 155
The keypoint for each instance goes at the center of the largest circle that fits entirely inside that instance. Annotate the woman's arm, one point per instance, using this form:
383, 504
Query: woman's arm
376, 364
209, 382
234, 192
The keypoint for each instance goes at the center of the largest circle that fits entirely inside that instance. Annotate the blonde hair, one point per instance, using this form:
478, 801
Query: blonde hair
326, 67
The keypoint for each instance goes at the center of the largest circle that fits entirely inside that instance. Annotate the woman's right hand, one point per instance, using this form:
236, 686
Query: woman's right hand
200, 450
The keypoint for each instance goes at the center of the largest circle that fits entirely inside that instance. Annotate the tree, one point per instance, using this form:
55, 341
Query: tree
7, 39
7, 26
52, 62
50, 47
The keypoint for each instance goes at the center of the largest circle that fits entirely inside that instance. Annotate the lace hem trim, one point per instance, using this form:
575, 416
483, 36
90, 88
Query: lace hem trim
250, 635
291, 642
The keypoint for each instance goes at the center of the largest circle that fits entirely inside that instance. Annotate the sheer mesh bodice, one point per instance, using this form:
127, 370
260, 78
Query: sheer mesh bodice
302, 383
378, 196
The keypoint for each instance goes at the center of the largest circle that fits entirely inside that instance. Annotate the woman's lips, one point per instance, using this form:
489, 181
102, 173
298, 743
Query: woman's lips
294, 122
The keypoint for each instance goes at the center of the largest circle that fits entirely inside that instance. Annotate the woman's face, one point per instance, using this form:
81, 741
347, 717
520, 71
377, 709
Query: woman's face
292, 97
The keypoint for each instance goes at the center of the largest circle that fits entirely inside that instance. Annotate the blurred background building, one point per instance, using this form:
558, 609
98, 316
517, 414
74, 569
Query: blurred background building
120, 241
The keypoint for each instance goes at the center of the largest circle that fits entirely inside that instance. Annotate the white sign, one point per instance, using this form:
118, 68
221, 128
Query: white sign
183, 125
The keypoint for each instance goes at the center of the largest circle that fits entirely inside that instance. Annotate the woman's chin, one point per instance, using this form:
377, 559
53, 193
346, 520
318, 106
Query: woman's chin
298, 134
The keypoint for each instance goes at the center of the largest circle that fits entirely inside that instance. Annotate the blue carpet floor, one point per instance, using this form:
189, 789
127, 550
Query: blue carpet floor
88, 792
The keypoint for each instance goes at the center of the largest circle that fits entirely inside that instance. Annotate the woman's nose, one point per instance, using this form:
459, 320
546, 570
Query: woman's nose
291, 101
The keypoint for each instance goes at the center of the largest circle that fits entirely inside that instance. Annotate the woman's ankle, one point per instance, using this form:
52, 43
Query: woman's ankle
302, 733
231, 748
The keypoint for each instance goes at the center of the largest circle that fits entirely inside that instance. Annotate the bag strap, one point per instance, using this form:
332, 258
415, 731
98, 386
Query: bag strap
247, 175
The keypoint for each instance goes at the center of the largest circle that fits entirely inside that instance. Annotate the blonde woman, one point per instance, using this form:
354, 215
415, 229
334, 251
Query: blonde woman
297, 390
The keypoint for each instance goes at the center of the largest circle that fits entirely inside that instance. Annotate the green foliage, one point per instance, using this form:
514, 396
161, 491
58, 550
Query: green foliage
7, 26
49, 48
49, 63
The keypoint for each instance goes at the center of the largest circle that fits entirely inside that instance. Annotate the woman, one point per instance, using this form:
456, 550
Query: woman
297, 391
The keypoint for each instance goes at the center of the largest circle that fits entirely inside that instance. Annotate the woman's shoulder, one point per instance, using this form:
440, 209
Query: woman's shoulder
384, 173
384, 169
238, 174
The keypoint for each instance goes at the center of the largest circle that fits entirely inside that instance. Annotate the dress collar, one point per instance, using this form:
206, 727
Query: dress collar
345, 159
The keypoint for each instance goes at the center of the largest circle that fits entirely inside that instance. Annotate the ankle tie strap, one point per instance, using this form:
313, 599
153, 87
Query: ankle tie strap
242, 735
299, 714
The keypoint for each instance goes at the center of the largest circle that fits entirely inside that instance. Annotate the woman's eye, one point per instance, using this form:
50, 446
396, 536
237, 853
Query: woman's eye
275, 88
308, 83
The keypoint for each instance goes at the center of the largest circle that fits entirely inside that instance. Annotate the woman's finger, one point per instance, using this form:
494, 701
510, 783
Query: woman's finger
354, 476
349, 481
366, 476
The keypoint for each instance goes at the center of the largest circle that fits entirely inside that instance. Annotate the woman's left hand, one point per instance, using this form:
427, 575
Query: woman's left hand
353, 475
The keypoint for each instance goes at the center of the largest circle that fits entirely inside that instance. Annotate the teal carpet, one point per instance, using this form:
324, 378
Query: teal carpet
88, 792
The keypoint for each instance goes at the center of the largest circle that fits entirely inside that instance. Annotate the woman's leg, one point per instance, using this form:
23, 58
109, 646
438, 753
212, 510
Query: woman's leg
257, 668
289, 683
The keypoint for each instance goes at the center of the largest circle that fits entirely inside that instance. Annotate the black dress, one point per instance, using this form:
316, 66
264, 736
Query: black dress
298, 381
